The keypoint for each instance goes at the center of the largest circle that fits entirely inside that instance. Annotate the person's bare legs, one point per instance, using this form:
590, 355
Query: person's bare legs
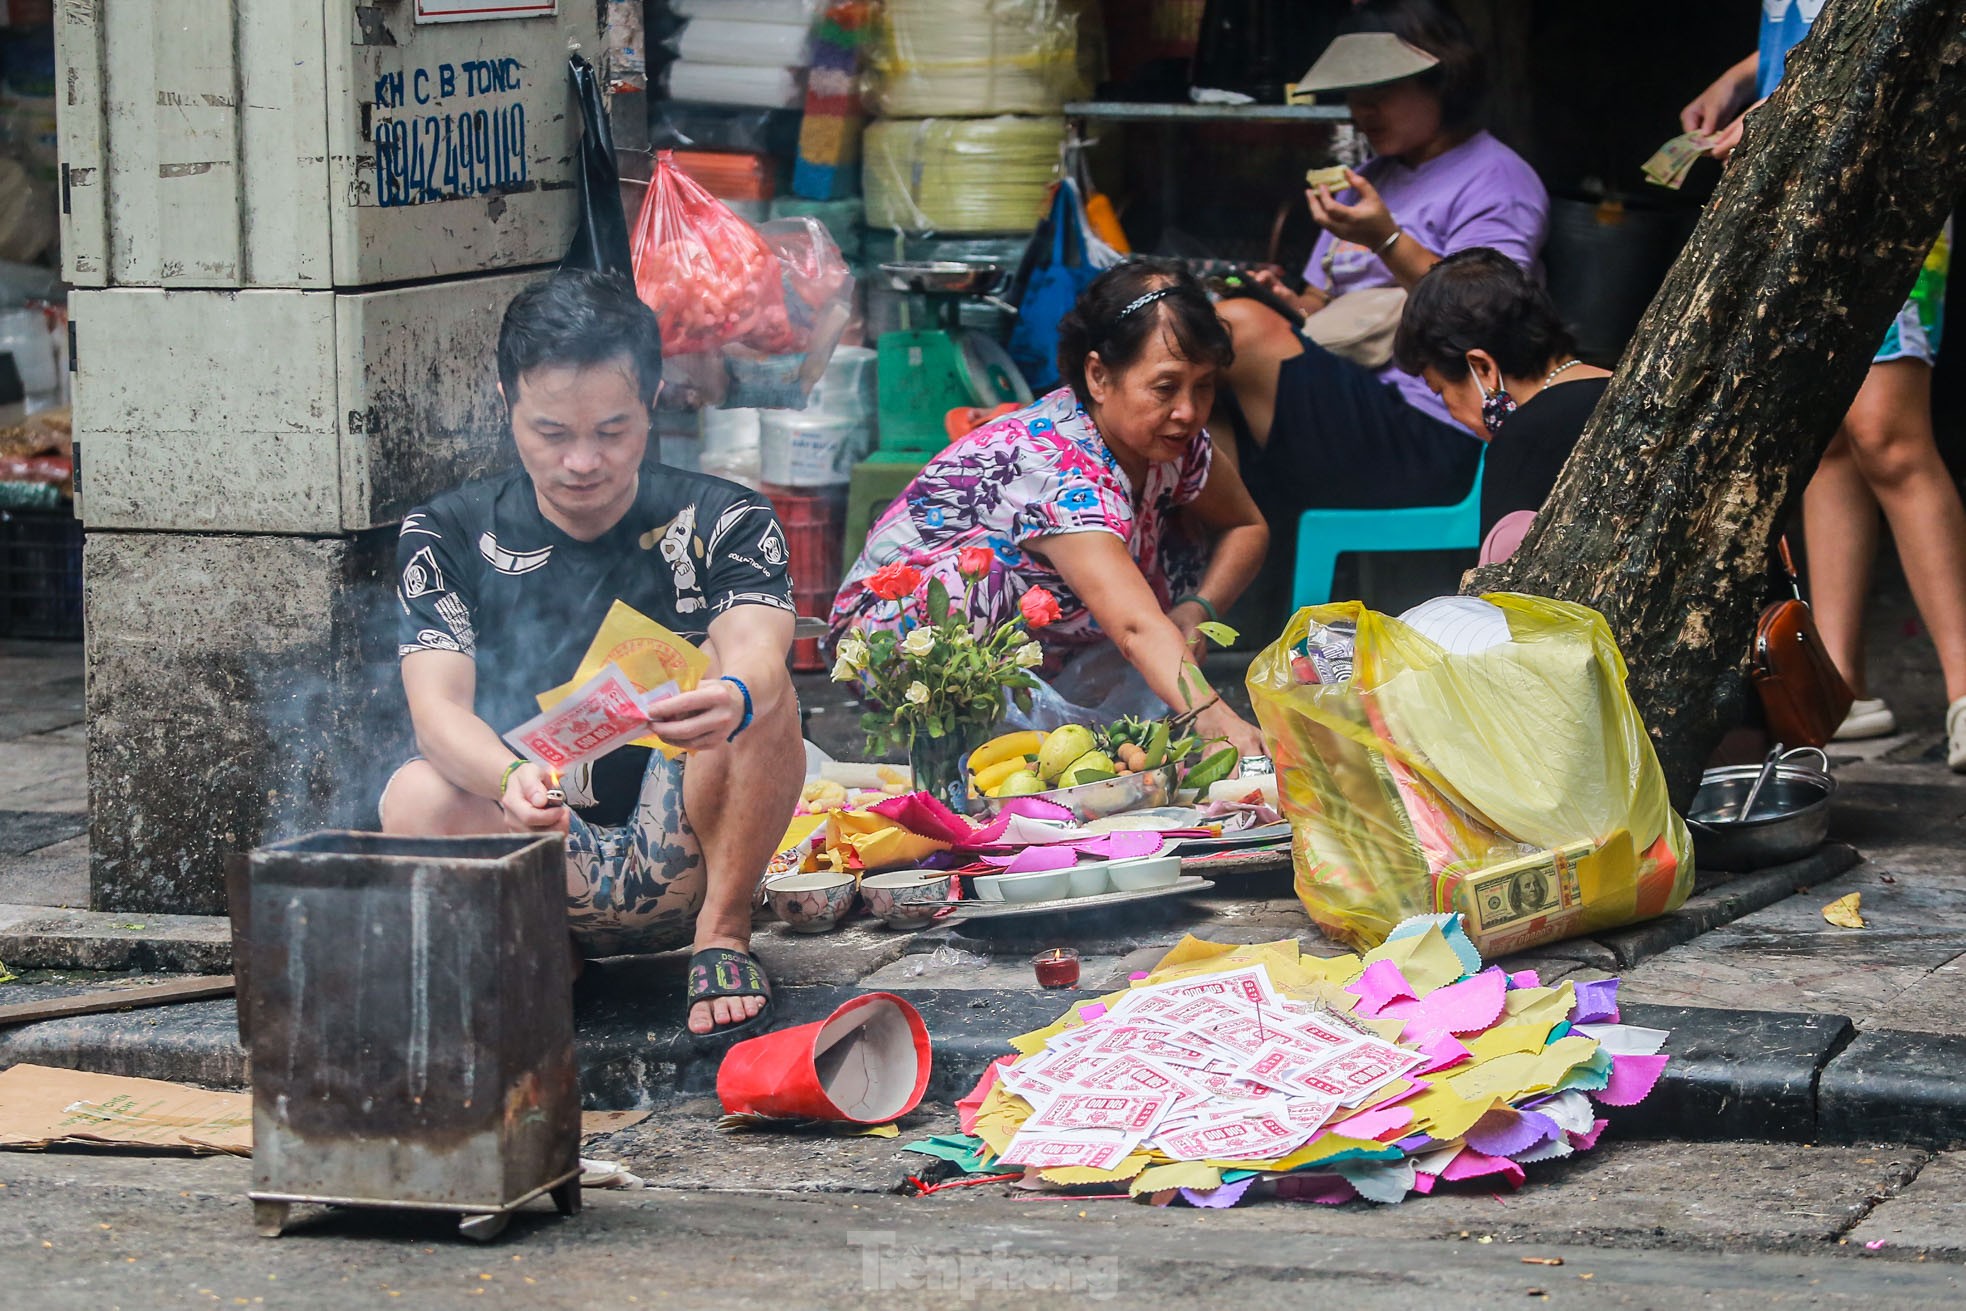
1839, 529
419, 802
1889, 431
740, 799
1263, 341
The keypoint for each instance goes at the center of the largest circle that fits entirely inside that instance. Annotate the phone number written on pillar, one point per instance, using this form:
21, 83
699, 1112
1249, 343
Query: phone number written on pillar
445, 156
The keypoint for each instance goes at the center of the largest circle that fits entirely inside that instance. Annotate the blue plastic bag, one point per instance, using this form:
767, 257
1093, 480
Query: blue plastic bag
1051, 281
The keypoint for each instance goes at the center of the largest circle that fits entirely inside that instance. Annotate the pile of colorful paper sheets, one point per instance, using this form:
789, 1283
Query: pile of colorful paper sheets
1233, 1072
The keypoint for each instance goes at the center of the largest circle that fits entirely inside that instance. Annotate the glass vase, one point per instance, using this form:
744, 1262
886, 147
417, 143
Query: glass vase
939, 765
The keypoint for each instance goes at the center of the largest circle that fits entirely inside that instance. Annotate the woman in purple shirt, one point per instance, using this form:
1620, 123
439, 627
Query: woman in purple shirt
1318, 429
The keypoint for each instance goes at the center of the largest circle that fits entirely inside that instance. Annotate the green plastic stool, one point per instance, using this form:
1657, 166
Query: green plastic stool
871, 489
1323, 535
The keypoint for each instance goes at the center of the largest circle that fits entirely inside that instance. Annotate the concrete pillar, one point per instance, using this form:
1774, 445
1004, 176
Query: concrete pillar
242, 689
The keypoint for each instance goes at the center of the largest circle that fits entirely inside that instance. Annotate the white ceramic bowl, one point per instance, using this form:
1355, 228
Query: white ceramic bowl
1036, 885
810, 903
1149, 872
906, 898
1089, 880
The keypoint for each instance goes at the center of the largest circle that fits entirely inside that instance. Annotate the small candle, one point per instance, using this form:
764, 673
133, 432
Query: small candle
1057, 968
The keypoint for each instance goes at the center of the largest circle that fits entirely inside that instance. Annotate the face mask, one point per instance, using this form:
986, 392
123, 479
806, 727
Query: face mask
1496, 407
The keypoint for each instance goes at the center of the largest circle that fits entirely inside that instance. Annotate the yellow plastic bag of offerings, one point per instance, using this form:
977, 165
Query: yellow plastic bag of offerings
1475, 754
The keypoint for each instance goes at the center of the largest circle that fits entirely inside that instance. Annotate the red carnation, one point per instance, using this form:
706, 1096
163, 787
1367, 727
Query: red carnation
1038, 607
891, 582
974, 562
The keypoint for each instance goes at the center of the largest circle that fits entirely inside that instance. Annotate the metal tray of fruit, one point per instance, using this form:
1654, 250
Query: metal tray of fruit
1109, 796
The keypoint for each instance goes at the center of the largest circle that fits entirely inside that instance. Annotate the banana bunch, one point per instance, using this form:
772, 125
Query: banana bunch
1002, 767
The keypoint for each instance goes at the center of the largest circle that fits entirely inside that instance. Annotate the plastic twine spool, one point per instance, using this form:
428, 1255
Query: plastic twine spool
960, 174
936, 58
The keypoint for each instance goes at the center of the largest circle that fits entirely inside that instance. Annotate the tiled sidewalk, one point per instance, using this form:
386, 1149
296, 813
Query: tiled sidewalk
44, 785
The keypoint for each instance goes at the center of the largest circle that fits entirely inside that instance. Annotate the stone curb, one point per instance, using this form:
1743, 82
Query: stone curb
1753, 1075
115, 940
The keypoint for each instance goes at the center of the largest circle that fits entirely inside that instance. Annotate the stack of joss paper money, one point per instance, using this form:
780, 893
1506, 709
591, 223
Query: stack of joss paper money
1235, 1072
1671, 162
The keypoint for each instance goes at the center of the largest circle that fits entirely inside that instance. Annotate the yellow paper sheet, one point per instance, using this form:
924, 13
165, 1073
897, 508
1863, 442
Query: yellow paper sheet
1443, 1115
649, 654
1326, 1144
1547, 1007
1072, 1176
1426, 961
879, 841
802, 827
1506, 1040
1182, 1174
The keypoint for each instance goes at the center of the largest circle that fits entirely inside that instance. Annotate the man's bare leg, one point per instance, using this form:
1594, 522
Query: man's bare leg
740, 799
420, 802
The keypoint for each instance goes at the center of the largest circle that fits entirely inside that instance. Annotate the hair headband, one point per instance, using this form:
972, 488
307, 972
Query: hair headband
1139, 303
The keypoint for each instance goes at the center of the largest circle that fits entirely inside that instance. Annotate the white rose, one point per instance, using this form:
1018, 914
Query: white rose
962, 637
852, 653
843, 669
1029, 656
919, 642
917, 693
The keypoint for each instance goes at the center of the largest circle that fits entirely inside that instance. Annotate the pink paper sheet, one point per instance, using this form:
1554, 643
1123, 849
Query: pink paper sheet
1469, 1006
1471, 1164
1632, 1078
1379, 987
1379, 1123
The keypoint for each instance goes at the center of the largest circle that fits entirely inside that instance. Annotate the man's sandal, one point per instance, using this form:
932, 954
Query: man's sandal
720, 972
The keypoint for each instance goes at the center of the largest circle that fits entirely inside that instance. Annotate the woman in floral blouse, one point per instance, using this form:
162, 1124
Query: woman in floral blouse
1103, 494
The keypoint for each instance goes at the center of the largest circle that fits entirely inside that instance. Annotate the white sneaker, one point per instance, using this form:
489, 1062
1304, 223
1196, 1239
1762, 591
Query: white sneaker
1956, 735
1868, 718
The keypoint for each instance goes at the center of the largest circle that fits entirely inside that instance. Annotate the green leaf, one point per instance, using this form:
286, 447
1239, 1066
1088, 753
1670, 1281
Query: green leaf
1022, 698
938, 602
1092, 776
1220, 634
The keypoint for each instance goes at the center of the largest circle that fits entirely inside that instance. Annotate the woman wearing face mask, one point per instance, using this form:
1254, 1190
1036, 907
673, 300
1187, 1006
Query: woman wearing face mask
1105, 495
1485, 339
1319, 429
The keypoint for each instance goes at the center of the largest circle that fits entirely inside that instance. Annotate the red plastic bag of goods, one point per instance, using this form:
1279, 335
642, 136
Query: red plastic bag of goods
749, 316
706, 273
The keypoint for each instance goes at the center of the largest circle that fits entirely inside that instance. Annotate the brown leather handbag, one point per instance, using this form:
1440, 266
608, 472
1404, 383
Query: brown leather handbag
1803, 696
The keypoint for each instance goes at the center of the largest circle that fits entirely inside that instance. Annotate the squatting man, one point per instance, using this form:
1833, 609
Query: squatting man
503, 583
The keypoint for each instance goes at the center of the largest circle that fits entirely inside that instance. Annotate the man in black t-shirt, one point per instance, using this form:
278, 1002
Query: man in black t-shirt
503, 584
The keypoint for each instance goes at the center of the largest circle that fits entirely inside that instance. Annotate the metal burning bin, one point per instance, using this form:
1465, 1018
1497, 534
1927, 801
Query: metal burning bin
411, 1021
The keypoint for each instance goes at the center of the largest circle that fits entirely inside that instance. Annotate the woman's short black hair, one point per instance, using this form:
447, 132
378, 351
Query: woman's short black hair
1461, 77
583, 318
1101, 321
1480, 299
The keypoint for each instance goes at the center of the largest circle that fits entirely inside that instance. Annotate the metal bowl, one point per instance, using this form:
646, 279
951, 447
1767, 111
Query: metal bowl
943, 277
1791, 816
1110, 796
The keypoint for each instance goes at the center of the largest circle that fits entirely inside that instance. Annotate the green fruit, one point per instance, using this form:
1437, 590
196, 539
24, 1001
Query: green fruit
1062, 747
1021, 784
1092, 762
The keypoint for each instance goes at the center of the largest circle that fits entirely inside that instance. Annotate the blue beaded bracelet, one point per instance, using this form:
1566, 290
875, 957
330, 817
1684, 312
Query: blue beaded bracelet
745, 722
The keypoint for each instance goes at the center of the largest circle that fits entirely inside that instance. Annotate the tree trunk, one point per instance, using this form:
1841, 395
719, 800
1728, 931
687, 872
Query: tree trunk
1664, 518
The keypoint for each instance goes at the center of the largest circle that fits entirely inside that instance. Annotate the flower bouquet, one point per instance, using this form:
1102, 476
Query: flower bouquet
937, 686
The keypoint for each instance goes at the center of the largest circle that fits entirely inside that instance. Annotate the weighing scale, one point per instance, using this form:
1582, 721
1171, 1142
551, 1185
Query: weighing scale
924, 373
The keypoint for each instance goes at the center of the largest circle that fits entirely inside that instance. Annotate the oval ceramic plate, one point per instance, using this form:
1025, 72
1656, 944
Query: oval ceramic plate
990, 910
1247, 837
1159, 819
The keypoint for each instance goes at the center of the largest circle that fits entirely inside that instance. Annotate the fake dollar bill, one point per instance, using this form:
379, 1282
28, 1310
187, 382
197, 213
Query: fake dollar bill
1530, 888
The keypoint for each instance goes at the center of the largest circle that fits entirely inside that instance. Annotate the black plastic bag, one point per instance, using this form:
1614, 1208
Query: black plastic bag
600, 237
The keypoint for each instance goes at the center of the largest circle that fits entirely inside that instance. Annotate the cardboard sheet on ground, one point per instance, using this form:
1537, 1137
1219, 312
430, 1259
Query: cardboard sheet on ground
648, 653
41, 1107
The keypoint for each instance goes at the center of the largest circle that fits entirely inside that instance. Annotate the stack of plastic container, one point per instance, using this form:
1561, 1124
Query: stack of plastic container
971, 98
741, 52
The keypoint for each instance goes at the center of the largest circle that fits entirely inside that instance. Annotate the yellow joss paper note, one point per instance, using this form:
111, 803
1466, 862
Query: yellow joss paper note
1182, 1174
1547, 1007
1506, 1040
649, 654
1071, 1176
1425, 960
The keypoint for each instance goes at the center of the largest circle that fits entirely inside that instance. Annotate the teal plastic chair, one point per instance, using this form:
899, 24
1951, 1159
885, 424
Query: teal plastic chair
1322, 535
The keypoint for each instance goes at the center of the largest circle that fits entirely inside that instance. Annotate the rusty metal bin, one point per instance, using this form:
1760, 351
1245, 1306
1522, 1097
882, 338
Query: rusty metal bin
411, 1026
